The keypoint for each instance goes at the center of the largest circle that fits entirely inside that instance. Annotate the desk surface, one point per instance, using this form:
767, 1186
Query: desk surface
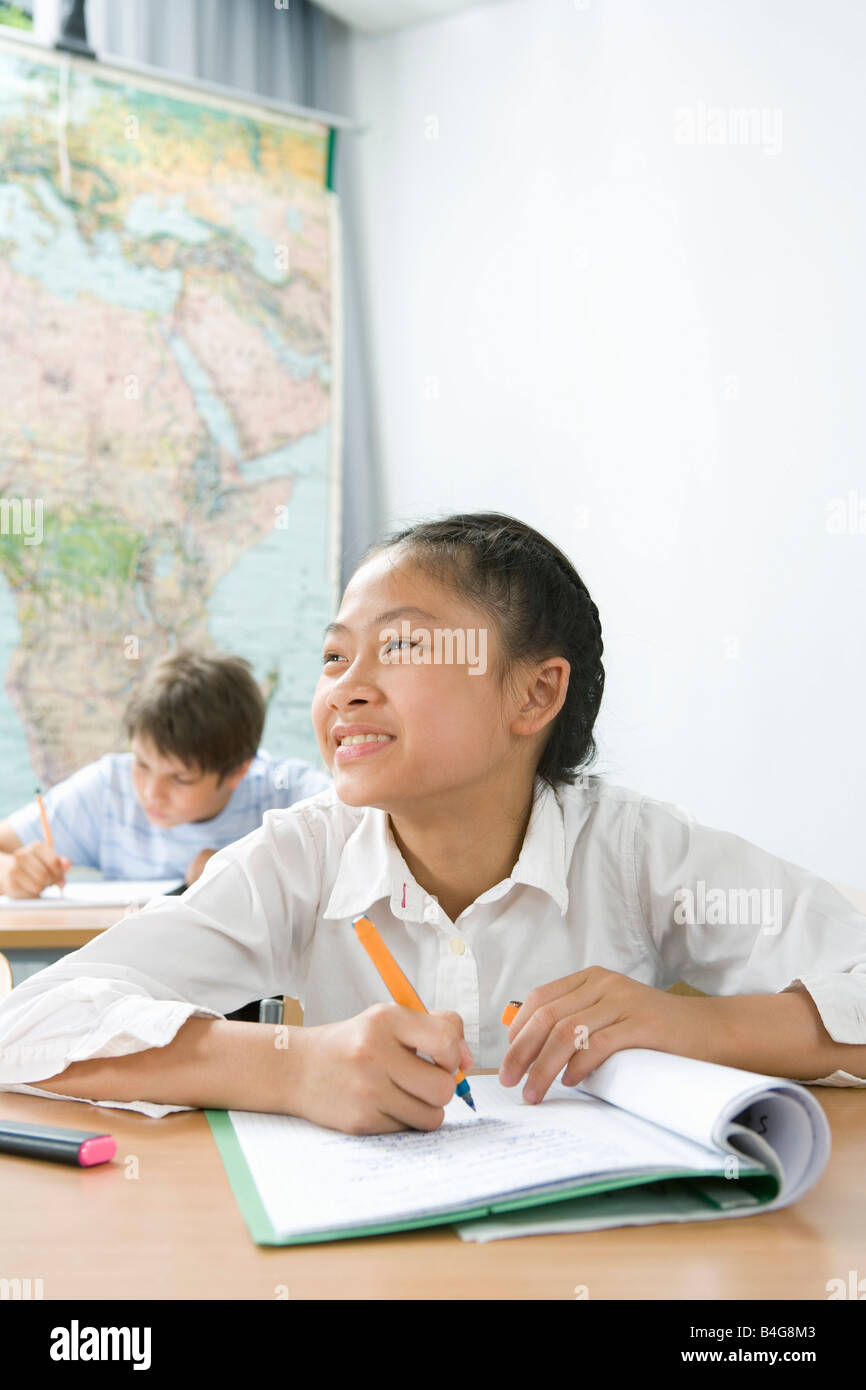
176, 1232
68, 927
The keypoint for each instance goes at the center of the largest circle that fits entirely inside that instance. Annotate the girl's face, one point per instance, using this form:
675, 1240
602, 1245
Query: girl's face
430, 686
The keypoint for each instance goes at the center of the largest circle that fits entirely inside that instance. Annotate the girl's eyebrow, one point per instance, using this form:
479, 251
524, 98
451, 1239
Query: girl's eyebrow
382, 618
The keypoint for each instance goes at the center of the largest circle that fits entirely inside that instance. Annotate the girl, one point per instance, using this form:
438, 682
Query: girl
463, 822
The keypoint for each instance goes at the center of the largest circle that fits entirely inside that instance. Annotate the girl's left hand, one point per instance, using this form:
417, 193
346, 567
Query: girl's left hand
581, 1019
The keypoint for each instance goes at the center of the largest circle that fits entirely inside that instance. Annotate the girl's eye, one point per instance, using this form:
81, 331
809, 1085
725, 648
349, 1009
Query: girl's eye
327, 654
400, 642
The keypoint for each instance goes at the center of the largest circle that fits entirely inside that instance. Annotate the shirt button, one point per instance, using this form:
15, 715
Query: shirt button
457, 946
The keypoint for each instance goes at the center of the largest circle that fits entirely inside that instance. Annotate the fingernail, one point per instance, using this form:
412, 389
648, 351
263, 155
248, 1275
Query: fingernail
529, 1095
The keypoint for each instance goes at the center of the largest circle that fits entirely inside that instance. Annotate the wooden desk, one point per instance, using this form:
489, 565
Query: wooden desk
176, 1232
66, 928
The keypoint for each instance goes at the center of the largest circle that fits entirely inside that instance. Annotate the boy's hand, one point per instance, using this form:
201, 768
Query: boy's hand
196, 865
362, 1076
581, 1019
32, 868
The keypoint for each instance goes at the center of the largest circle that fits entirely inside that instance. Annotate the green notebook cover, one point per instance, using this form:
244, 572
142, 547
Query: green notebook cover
757, 1182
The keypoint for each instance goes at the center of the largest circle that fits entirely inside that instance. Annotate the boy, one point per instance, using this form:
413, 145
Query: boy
194, 782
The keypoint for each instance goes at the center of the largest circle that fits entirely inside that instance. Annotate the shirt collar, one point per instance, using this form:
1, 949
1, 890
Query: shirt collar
372, 867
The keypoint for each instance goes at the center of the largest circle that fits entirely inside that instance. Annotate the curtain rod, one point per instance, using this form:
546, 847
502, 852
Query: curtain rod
12, 38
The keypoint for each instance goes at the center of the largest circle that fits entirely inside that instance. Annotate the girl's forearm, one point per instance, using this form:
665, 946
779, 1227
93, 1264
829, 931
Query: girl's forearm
781, 1034
209, 1063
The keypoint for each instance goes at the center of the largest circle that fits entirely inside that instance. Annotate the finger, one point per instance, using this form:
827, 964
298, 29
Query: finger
534, 1034
602, 1044
438, 1034
30, 877
406, 1110
466, 1058
23, 886
548, 994
572, 1034
49, 862
429, 1084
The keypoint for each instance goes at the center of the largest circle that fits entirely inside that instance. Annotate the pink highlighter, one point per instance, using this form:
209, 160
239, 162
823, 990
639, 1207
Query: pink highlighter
83, 1147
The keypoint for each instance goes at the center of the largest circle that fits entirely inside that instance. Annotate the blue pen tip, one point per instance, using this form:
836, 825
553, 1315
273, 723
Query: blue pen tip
463, 1090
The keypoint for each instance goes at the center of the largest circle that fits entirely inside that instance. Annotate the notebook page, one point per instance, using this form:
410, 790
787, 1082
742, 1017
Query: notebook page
680, 1093
105, 893
311, 1179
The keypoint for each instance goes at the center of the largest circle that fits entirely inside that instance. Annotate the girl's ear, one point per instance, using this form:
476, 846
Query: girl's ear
546, 694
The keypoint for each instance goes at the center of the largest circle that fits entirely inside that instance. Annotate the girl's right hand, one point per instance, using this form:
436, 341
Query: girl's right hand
363, 1076
32, 868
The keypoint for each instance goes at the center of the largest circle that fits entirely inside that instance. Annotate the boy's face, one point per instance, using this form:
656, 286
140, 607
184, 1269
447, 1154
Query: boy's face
174, 793
450, 728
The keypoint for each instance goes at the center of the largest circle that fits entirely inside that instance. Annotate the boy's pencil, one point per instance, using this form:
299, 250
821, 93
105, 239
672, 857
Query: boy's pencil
398, 986
46, 828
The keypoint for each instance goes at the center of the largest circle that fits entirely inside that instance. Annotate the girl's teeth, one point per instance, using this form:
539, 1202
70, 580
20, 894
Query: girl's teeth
364, 738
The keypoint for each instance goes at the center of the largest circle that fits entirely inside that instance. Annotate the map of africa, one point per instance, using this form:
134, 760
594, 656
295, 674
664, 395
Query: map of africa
169, 388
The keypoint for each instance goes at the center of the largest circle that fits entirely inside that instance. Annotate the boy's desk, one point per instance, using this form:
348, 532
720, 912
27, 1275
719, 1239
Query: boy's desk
161, 1222
65, 928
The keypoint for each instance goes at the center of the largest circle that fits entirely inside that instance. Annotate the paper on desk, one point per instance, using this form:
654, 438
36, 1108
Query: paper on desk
313, 1179
118, 892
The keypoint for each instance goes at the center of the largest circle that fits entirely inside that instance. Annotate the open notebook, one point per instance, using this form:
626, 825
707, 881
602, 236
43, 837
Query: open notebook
647, 1137
108, 892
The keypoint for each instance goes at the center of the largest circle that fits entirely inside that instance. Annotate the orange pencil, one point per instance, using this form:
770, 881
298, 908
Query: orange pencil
397, 985
46, 828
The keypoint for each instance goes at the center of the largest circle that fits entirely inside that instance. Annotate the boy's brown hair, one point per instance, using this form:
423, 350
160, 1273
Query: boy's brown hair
208, 711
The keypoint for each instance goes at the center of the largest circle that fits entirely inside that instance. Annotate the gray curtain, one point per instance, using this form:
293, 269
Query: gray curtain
299, 55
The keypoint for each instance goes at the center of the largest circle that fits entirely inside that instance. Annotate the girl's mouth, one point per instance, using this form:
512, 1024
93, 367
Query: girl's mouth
353, 751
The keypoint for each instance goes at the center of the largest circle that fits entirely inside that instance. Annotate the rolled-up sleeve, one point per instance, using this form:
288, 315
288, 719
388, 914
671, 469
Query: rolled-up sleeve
731, 918
239, 933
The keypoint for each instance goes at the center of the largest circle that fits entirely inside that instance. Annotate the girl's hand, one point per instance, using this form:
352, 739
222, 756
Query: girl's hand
362, 1076
581, 1019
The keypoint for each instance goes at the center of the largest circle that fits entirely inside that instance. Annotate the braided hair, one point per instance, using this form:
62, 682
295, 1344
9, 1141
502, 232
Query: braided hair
539, 605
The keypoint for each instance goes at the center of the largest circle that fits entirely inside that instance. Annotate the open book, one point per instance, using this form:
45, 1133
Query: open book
647, 1137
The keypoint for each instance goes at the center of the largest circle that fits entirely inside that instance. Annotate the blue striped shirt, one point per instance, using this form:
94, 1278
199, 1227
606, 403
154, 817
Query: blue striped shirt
97, 820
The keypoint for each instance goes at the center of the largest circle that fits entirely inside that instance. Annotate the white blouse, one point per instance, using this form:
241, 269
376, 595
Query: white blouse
606, 876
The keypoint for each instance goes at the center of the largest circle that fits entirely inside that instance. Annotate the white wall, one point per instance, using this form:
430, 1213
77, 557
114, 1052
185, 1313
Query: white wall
569, 308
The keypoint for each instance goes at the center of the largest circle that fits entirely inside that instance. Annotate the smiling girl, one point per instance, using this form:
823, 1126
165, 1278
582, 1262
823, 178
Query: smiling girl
464, 823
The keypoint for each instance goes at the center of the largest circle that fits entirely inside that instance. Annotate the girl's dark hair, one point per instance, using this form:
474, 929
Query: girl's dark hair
539, 605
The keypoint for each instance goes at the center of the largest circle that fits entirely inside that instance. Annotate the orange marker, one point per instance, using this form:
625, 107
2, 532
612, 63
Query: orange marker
397, 985
509, 1013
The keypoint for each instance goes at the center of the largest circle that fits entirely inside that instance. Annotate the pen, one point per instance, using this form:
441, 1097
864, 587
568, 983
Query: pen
509, 1013
398, 986
46, 828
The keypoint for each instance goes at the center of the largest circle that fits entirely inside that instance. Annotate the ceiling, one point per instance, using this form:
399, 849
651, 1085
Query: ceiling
381, 16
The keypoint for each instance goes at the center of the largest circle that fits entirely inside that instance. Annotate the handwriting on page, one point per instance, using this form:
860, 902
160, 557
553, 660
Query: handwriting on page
307, 1177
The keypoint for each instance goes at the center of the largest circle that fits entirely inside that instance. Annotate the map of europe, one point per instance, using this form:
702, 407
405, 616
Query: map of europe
169, 388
